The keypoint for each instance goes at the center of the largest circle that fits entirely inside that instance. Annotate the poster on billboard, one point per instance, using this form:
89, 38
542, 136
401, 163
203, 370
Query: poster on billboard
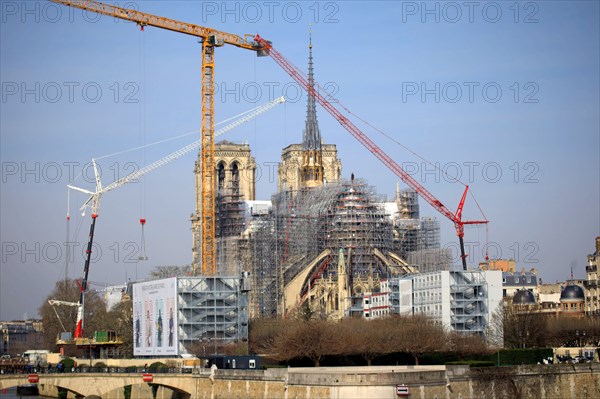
155, 318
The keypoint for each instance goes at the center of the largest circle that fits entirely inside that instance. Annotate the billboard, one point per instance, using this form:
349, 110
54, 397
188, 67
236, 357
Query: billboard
155, 318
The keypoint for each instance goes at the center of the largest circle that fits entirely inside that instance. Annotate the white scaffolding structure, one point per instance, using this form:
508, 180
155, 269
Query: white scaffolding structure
212, 309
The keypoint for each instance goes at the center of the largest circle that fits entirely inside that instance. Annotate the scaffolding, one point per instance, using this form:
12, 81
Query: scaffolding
302, 224
415, 238
212, 309
431, 260
407, 201
230, 222
357, 223
468, 301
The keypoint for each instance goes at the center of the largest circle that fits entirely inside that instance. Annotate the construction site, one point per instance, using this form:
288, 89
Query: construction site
291, 245
321, 242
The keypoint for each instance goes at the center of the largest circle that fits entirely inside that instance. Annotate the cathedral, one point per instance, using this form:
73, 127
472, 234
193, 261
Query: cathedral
321, 241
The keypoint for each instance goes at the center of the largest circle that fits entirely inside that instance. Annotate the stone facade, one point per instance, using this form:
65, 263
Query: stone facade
293, 159
592, 291
235, 176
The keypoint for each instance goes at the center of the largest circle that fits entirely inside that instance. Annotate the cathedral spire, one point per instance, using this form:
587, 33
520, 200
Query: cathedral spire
312, 135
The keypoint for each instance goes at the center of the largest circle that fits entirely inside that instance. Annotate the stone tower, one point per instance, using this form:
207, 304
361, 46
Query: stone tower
235, 171
312, 163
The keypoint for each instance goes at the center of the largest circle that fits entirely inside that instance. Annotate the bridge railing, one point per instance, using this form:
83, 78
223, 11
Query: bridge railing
104, 370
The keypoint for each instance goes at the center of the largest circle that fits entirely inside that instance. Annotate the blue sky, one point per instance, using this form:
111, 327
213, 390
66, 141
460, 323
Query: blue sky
504, 93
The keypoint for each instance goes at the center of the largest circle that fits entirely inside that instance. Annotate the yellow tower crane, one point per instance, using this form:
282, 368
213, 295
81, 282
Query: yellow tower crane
211, 38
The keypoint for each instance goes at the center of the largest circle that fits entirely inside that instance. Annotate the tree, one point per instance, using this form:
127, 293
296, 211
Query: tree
573, 331
495, 329
170, 271
312, 339
466, 344
365, 338
263, 333
524, 328
68, 290
122, 316
210, 347
416, 335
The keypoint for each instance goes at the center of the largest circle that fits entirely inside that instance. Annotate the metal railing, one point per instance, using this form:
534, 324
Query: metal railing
81, 369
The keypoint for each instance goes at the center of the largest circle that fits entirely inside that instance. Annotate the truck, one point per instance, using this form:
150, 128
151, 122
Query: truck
36, 357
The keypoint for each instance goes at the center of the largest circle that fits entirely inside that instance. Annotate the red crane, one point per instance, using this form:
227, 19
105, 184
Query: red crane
455, 217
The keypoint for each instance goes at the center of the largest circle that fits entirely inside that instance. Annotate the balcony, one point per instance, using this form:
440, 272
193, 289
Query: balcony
591, 269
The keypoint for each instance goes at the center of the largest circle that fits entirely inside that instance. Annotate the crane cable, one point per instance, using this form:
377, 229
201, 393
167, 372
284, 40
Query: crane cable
68, 222
142, 112
431, 164
455, 179
173, 138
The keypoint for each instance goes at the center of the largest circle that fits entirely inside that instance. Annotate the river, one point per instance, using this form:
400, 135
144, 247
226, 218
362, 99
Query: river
11, 393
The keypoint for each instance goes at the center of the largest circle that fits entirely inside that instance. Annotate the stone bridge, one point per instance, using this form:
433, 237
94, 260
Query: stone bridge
111, 385
574, 381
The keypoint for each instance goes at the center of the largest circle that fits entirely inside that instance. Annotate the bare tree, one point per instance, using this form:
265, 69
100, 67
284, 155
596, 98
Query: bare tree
524, 328
312, 339
465, 344
365, 338
570, 331
416, 335
122, 322
263, 332
52, 316
170, 271
495, 329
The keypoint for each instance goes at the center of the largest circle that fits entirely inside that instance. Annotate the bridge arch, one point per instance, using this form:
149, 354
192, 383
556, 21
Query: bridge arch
148, 390
45, 386
107, 385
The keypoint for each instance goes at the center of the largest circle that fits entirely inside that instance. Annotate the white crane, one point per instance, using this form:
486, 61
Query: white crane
54, 302
94, 200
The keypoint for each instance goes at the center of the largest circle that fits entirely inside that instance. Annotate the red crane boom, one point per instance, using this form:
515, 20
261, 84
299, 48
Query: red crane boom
298, 76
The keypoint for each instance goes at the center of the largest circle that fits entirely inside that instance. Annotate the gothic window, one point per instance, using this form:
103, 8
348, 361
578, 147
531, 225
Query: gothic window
220, 176
235, 178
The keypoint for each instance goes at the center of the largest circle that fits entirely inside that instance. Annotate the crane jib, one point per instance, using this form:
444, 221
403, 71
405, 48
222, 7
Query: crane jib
144, 19
374, 148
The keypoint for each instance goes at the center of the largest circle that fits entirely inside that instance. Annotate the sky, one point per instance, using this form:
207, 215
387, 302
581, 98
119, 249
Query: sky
503, 95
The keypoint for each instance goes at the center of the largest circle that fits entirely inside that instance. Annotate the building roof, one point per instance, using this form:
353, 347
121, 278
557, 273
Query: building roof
523, 297
519, 279
572, 293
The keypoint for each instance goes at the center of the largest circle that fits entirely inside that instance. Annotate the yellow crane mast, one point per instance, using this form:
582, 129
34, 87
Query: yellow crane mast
211, 38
